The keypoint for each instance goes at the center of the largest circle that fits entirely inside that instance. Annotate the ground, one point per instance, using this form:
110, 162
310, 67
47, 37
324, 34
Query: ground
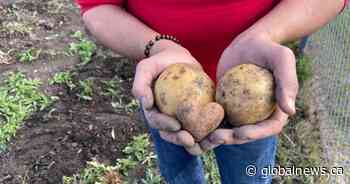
91, 115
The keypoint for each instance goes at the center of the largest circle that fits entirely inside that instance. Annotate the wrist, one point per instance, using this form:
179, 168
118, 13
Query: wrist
165, 45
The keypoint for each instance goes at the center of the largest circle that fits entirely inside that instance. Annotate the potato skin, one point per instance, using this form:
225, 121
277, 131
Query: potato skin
247, 94
181, 82
188, 94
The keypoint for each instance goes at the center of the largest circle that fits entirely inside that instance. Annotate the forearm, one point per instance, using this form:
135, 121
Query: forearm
117, 29
292, 19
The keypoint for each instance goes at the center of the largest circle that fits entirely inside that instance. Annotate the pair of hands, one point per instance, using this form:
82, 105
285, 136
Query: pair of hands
260, 51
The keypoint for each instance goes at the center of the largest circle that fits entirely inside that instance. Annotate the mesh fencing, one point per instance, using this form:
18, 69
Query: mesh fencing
329, 50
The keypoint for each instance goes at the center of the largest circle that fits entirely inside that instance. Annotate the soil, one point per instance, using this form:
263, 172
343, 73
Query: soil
59, 140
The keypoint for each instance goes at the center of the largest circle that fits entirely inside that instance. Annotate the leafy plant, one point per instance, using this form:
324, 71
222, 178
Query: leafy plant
111, 88
304, 69
84, 48
137, 151
132, 106
151, 177
86, 89
95, 173
19, 97
211, 169
65, 78
29, 55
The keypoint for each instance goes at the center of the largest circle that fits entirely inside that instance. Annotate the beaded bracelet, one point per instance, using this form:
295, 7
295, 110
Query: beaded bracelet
158, 38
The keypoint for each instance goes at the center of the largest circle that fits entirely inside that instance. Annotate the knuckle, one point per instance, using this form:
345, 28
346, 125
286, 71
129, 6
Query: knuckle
288, 54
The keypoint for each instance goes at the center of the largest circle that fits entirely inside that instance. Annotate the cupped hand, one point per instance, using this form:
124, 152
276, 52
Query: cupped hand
147, 70
280, 60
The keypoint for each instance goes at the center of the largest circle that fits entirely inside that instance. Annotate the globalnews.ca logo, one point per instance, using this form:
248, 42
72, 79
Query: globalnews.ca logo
251, 170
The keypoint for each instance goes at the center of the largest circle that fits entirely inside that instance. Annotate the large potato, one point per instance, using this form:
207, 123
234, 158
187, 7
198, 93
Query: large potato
247, 94
187, 93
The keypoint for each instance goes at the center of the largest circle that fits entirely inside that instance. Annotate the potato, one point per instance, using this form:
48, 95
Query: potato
247, 94
187, 93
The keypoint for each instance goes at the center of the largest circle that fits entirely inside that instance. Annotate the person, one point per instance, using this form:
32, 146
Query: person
214, 35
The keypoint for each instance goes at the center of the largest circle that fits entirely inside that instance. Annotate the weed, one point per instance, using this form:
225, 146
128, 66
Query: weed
86, 89
19, 97
211, 169
137, 152
29, 55
84, 48
132, 106
304, 69
78, 35
151, 177
65, 78
112, 88
94, 173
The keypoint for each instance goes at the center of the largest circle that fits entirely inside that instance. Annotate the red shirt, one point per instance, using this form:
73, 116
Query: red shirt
204, 27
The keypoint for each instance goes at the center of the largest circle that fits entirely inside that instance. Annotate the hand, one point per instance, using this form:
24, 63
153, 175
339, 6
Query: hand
163, 54
275, 57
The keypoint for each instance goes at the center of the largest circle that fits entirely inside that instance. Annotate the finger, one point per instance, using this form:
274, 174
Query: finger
249, 133
144, 76
264, 129
283, 65
225, 136
181, 138
207, 145
161, 121
194, 150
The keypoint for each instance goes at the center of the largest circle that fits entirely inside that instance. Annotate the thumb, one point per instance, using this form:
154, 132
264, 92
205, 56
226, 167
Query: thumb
284, 71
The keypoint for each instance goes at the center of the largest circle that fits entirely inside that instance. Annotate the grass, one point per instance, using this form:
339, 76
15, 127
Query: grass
29, 55
211, 169
137, 152
112, 88
94, 173
86, 89
83, 48
19, 98
63, 78
304, 69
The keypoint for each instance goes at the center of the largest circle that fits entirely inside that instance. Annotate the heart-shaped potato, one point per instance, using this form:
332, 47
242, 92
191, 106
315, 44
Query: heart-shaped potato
187, 93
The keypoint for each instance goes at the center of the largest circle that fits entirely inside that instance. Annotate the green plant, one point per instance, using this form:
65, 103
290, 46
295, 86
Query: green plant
211, 169
132, 106
304, 69
19, 97
65, 78
84, 48
29, 55
94, 174
112, 88
151, 177
137, 151
86, 89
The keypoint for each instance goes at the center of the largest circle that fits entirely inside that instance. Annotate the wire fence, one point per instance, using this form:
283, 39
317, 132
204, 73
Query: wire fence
330, 87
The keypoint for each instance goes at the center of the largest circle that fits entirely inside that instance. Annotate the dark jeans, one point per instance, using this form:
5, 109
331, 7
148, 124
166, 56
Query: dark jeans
177, 166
